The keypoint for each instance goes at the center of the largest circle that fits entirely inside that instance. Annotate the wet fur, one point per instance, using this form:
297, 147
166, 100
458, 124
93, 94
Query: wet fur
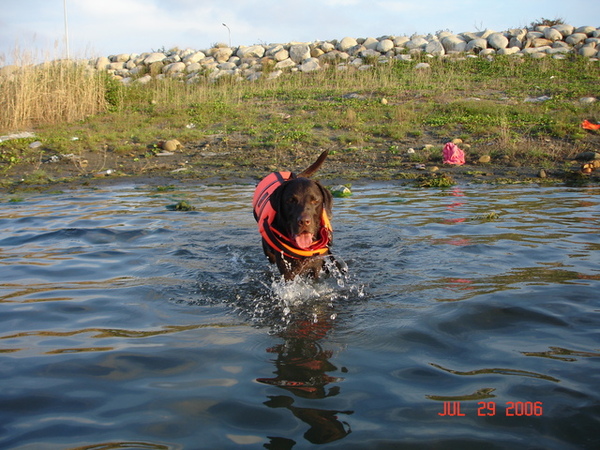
299, 203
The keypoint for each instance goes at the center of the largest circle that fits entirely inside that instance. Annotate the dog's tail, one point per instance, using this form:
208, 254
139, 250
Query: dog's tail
306, 173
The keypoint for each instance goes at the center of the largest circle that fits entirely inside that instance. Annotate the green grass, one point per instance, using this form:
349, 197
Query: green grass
476, 99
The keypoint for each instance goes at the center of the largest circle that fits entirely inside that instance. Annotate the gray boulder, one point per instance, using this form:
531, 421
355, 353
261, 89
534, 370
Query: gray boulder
309, 65
254, 51
587, 30
371, 43
154, 57
222, 54
385, 45
299, 52
327, 47
102, 63
476, 45
589, 51
498, 41
416, 43
285, 64
400, 41
552, 34
123, 57
346, 44
435, 48
575, 38
564, 29
454, 43
173, 68
281, 55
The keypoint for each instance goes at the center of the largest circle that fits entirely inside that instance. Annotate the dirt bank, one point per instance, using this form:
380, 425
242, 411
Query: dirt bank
222, 161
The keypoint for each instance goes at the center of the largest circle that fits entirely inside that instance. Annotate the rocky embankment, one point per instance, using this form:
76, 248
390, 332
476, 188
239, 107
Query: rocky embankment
272, 60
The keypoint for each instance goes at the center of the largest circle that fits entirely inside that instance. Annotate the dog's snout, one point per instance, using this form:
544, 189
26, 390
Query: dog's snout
304, 220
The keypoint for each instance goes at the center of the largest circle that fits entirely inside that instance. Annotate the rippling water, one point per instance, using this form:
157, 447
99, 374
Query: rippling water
469, 319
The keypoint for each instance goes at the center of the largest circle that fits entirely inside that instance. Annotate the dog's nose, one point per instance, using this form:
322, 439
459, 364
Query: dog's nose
304, 221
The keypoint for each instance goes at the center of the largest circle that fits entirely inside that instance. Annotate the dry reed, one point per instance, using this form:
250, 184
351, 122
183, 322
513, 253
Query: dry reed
51, 92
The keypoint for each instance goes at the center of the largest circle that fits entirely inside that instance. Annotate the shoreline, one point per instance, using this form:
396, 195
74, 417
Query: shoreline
188, 168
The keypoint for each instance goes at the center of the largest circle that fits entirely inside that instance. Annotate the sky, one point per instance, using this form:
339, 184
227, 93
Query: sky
36, 28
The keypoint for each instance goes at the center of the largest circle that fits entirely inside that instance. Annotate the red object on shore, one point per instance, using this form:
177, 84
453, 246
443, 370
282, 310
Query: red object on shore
453, 155
590, 126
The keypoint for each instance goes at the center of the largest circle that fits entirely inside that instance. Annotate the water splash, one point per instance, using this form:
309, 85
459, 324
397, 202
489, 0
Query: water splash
268, 300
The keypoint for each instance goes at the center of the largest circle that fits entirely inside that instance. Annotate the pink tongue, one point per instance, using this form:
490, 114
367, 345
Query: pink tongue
304, 240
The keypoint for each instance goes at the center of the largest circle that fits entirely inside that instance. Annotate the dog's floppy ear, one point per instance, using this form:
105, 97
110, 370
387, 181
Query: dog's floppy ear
327, 199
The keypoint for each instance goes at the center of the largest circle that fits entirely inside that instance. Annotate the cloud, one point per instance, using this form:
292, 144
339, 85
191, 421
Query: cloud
124, 26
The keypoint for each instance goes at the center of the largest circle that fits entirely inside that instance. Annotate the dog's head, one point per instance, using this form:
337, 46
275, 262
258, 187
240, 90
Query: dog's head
299, 203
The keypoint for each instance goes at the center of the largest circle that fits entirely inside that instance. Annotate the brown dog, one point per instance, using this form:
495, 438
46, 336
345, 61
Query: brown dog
293, 215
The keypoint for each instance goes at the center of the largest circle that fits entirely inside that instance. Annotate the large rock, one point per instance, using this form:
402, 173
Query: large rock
541, 42
385, 45
469, 36
552, 34
435, 48
227, 66
476, 45
587, 30
371, 43
116, 66
154, 57
498, 41
281, 55
285, 64
454, 43
346, 44
515, 42
272, 49
193, 67
277, 52
102, 63
575, 38
519, 33
315, 52
356, 50
333, 57
222, 54
401, 41
299, 52
309, 65
254, 51
589, 51
416, 43
122, 57
327, 47
564, 29
173, 68
486, 33
508, 51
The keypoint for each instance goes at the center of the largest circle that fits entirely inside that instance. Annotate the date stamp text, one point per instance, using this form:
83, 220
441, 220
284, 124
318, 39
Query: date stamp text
508, 409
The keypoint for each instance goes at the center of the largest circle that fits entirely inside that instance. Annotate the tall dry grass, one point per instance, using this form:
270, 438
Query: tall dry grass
47, 93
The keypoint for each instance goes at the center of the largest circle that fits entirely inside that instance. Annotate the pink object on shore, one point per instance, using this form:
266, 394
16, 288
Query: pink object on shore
453, 155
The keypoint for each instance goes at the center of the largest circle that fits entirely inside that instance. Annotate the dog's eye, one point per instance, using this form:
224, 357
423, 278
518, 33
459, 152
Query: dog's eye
292, 200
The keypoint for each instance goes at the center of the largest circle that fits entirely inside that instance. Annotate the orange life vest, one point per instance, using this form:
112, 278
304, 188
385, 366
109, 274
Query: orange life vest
265, 214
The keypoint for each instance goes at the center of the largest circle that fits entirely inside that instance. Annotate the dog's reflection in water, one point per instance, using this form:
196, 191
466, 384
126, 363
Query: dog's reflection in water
303, 370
